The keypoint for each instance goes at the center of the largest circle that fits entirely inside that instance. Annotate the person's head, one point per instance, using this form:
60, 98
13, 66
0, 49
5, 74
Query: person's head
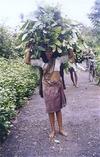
49, 53
74, 50
70, 51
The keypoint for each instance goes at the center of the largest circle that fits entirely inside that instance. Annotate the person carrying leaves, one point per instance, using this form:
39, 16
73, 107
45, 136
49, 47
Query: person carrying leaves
53, 92
72, 66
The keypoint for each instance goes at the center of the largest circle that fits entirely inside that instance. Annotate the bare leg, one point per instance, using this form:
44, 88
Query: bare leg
63, 81
76, 78
40, 86
89, 76
59, 119
62, 75
93, 74
52, 123
72, 78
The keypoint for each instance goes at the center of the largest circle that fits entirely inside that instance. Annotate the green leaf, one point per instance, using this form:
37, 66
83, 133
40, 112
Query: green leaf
24, 37
38, 23
58, 43
40, 48
59, 50
57, 29
63, 31
25, 25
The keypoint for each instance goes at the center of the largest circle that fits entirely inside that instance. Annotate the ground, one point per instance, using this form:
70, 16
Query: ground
81, 120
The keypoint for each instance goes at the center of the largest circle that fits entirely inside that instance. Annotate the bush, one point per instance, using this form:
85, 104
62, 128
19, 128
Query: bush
17, 81
98, 70
6, 42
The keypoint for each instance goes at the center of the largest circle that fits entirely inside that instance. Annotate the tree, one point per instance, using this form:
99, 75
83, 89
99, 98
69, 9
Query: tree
7, 44
95, 18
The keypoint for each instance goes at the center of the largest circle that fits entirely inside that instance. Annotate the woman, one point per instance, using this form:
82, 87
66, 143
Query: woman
72, 66
45, 60
53, 92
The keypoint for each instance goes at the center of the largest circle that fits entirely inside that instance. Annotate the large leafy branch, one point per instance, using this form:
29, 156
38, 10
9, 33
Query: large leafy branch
49, 29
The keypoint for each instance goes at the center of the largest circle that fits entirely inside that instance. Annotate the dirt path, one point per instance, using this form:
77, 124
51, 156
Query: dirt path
81, 119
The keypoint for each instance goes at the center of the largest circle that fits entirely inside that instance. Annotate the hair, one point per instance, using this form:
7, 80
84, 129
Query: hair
28, 44
49, 49
56, 54
43, 54
70, 49
74, 50
44, 57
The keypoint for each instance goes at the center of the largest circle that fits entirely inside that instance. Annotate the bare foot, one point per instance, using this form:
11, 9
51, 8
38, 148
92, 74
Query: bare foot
52, 135
73, 84
62, 132
76, 85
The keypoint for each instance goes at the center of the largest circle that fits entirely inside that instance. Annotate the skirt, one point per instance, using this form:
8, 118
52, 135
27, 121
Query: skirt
54, 97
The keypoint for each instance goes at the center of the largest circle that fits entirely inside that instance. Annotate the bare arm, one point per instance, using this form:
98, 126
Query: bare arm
33, 62
27, 57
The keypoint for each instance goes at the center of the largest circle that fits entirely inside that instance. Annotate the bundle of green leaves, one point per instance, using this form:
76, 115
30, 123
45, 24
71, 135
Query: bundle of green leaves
49, 29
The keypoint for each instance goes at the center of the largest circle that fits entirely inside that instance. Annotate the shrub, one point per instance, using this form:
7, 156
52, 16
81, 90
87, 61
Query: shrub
17, 81
98, 70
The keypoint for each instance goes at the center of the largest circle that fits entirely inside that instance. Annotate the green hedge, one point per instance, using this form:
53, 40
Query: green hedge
17, 82
98, 70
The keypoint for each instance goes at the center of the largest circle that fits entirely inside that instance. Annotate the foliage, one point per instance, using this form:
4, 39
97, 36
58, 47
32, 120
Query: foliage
95, 17
6, 42
88, 36
17, 81
48, 29
98, 63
